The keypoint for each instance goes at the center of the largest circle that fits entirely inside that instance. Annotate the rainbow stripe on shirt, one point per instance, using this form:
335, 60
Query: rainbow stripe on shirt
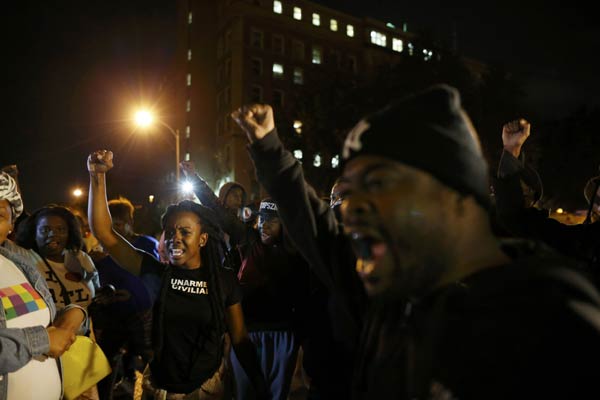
20, 299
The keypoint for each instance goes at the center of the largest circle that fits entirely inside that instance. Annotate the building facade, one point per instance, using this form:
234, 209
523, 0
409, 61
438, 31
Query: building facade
235, 52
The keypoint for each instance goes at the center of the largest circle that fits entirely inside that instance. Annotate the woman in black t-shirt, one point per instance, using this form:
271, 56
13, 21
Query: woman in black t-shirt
199, 300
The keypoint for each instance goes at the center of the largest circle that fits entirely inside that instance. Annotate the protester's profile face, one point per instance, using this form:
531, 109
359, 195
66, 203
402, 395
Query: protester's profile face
234, 198
183, 239
394, 216
122, 226
269, 228
6, 220
51, 236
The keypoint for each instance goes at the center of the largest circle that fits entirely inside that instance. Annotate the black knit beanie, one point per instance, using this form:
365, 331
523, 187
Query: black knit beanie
430, 131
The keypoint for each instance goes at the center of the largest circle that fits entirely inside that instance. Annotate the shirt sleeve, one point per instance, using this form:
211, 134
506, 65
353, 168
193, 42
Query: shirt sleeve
19, 345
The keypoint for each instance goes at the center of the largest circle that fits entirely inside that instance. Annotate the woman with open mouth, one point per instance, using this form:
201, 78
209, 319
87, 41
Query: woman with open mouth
199, 299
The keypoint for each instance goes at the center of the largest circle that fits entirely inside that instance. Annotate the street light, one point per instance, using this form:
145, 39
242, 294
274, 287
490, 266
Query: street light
144, 118
77, 192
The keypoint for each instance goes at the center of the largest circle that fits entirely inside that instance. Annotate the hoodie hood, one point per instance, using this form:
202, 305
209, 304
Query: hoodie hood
226, 188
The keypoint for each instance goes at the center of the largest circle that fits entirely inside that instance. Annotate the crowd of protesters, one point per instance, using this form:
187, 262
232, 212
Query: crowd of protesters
398, 287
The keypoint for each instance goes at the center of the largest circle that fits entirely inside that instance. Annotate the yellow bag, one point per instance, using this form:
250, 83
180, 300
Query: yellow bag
84, 365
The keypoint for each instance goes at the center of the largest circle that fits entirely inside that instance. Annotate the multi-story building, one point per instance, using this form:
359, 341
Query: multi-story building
235, 52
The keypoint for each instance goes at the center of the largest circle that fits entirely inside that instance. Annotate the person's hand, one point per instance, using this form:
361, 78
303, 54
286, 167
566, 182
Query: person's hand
514, 134
188, 168
100, 161
60, 340
255, 119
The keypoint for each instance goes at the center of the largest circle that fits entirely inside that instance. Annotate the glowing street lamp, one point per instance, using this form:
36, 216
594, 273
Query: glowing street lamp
77, 193
144, 119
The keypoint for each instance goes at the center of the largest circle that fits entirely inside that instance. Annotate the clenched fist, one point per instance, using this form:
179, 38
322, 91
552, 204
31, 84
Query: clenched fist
100, 161
255, 119
514, 134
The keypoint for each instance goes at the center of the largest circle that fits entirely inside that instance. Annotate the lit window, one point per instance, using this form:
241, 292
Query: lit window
335, 161
397, 45
256, 65
333, 25
378, 38
278, 44
189, 54
298, 50
189, 79
298, 126
298, 155
188, 106
188, 131
278, 98
277, 71
187, 156
390, 25
256, 38
350, 30
277, 7
427, 54
317, 160
190, 17
298, 76
297, 13
411, 49
317, 55
316, 19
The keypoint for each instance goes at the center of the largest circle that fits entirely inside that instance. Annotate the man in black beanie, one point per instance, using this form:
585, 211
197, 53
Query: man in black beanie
453, 313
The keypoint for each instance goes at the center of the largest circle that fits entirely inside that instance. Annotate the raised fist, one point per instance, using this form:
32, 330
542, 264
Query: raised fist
188, 168
100, 161
514, 134
255, 119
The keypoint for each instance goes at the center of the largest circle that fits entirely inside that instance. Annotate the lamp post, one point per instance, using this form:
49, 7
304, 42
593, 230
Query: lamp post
144, 119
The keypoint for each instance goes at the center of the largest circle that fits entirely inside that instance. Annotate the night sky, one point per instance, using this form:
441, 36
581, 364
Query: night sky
73, 71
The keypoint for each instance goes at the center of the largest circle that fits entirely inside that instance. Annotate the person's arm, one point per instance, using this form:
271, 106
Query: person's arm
74, 318
310, 222
245, 350
99, 217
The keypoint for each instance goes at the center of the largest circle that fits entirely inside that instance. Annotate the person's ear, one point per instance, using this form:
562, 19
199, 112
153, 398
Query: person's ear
203, 239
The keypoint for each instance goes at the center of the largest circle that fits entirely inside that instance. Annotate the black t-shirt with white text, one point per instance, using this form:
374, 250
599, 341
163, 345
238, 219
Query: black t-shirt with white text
191, 344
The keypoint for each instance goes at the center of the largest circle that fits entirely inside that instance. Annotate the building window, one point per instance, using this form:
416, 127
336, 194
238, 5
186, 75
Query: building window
298, 76
188, 106
397, 45
298, 50
257, 66
256, 38
256, 94
333, 25
335, 161
277, 7
411, 49
228, 40
187, 156
278, 44
350, 30
190, 18
298, 126
227, 96
189, 54
298, 154
316, 19
317, 55
352, 64
297, 13
277, 71
427, 54
188, 131
228, 68
278, 98
317, 160
189, 79
378, 38
336, 56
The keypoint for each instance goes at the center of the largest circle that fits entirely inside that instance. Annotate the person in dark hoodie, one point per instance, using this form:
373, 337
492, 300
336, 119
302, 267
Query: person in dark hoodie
581, 241
453, 312
228, 207
274, 280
